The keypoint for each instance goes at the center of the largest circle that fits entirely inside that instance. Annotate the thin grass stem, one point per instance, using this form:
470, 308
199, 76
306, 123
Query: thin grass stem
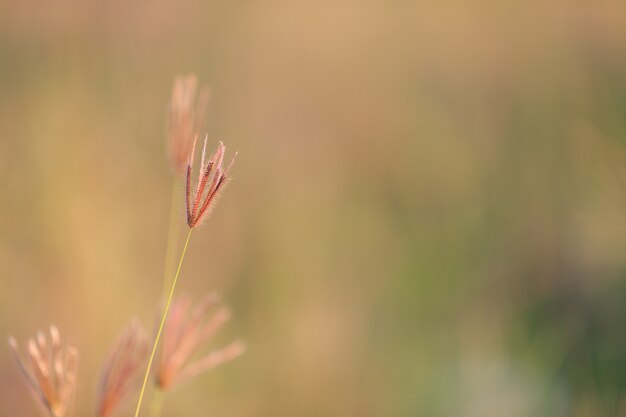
158, 336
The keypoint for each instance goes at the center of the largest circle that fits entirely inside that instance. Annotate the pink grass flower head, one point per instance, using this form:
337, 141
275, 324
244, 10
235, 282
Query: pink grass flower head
122, 369
49, 369
185, 116
186, 332
212, 178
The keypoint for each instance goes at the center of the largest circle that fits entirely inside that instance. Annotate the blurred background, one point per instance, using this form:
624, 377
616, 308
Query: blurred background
427, 217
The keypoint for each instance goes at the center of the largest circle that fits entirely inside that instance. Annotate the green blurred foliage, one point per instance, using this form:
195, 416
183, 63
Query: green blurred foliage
428, 215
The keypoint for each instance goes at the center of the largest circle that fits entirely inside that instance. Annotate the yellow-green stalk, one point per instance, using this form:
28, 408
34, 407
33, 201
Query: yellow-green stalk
163, 318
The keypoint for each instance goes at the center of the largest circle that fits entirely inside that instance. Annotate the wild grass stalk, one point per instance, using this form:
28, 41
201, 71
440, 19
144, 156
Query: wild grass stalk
199, 201
164, 317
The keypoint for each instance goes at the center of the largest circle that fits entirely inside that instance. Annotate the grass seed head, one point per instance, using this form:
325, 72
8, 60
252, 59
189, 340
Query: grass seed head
186, 332
185, 118
122, 368
212, 177
49, 370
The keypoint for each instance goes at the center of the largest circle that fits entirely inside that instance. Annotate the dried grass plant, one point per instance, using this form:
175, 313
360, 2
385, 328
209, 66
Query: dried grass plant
50, 367
50, 370
185, 118
187, 331
199, 200
122, 369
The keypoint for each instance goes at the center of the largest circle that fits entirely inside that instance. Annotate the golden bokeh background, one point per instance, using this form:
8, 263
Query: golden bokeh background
427, 217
